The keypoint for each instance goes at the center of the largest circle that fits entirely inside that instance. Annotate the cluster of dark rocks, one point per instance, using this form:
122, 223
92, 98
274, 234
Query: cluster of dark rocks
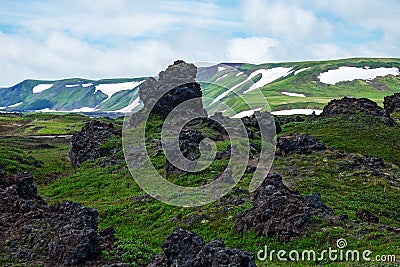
31, 232
297, 144
262, 124
185, 249
189, 141
86, 144
280, 211
351, 106
392, 103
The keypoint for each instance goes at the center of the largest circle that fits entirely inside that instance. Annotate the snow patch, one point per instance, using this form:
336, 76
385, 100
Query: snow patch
87, 84
130, 107
221, 69
352, 73
14, 105
84, 109
224, 76
71, 85
228, 91
48, 110
301, 70
41, 87
293, 94
239, 73
267, 76
297, 111
245, 113
111, 88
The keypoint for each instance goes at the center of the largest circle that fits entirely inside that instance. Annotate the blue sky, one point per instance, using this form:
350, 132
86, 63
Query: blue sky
121, 38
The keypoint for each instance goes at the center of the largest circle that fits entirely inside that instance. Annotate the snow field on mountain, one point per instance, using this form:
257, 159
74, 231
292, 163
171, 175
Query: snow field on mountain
110, 89
41, 87
343, 74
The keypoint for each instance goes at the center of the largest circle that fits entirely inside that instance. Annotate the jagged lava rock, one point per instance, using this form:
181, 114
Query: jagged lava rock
280, 211
185, 249
37, 234
263, 122
350, 106
189, 141
392, 103
85, 145
174, 86
297, 144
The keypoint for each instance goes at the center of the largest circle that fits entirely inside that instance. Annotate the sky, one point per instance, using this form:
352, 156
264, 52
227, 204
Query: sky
94, 39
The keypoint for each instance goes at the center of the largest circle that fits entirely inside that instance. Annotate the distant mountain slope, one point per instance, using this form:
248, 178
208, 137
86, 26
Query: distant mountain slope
286, 86
70, 95
294, 85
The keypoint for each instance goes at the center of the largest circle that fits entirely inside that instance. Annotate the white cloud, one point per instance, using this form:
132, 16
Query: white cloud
326, 51
252, 49
103, 39
284, 20
60, 56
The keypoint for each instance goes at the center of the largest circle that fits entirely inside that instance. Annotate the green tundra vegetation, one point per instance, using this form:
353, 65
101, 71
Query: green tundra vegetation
143, 223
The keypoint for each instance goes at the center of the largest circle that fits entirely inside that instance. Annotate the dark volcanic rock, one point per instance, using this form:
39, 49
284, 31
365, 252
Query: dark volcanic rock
350, 106
392, 103
37, 234
174, 86
290, 118
367, 216
280, 211
263, 121
297, 144
189, 141
85, 145
365, 162
185, 249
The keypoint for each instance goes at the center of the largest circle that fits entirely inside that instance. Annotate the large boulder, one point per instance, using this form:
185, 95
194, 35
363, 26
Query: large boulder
392, 103
350, 106
185, 249
174, 86
280, 211
86, 144
34, 233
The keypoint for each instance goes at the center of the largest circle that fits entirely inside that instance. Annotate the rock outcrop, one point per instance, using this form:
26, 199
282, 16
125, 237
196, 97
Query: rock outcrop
85, 145
174, 86
37, 234
185, 249
392, 103
189, 141
297, 144
280, 211
350, 106
262, 122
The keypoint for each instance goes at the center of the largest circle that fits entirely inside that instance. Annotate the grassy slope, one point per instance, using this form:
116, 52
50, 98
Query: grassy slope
143, 225
21, 151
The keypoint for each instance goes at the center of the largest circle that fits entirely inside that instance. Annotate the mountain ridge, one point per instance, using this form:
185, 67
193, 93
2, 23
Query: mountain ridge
285, 85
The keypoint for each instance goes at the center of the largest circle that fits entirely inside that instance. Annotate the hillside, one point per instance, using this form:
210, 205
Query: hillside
306, 86
334, 176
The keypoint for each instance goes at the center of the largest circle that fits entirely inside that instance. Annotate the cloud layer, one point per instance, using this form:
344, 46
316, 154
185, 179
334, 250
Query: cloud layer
102, 39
